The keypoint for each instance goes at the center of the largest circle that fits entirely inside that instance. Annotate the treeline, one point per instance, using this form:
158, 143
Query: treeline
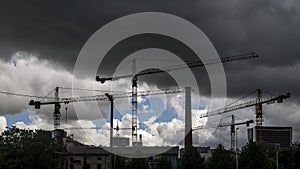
252, 155
30, 149
27, 149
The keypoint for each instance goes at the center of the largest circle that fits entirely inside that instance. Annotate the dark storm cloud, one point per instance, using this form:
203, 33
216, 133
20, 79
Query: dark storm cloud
57, 30
128, 46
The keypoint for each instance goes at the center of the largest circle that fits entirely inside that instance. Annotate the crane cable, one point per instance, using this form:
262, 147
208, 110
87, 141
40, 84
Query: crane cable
241, 98
83, 89
47, 96
269, 93
24, 95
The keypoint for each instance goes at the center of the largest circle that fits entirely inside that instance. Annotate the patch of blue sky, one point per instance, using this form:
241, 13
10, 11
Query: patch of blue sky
199, 107
142, 126
14, 63
117, 115
144, 105
149, 107
99, 123
21, 117
167, 115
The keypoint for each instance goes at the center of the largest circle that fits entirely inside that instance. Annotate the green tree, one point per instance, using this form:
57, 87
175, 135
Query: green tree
289, 157
27, 149
191, 159
164, 163
221, 158
286, 158
258, 156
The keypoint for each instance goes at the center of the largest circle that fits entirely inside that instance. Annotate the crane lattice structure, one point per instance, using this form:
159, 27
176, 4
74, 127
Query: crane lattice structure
258, 107
232, 128
166, 69
57, 101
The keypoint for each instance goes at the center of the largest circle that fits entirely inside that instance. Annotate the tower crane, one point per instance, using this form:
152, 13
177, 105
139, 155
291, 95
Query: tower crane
57, 101
232, 128
258, 107
167, 69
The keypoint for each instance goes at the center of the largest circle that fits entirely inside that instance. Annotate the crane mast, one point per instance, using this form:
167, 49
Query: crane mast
232, 129
57, 107
134, 110
258, 108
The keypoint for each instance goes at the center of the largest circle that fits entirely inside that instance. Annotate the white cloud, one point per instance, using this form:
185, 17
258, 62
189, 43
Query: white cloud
25, 73
88, 136
37, 122
164, 133
3, 124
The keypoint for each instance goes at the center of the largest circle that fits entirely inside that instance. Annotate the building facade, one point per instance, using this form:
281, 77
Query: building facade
99, 158
282, 136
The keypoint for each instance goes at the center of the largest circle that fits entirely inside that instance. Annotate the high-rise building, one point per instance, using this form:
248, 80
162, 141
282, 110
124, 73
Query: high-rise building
282, 136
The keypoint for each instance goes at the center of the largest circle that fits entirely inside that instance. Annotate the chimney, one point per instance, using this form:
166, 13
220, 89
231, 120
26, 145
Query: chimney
188, 141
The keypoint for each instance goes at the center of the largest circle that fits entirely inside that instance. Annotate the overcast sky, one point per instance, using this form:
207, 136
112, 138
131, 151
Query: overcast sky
50, 35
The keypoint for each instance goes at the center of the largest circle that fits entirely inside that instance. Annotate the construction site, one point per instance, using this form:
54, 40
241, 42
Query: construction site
78, 155
131, 84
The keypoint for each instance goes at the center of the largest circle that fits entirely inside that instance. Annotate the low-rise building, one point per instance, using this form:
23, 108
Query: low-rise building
205, 152
91, 157
99, 157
